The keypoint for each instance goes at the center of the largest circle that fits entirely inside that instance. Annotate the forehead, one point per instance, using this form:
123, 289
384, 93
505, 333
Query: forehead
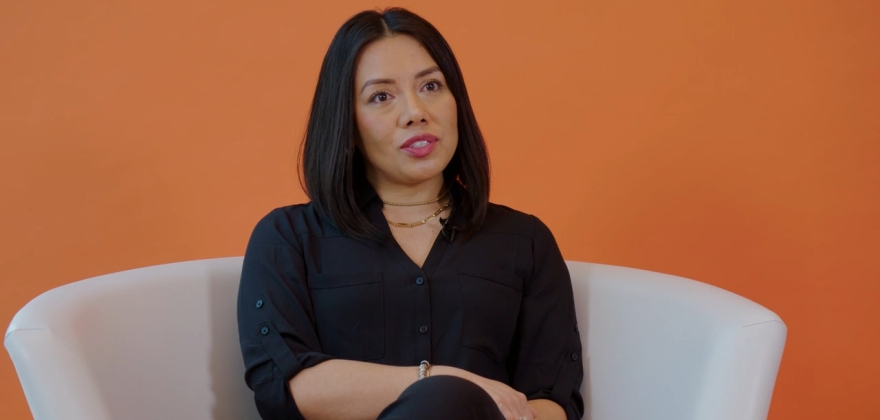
395, 57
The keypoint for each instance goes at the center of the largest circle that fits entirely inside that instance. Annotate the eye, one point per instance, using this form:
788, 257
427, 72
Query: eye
379, 97
433, 85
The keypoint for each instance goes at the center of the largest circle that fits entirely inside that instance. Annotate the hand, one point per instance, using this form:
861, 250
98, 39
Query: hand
512, 403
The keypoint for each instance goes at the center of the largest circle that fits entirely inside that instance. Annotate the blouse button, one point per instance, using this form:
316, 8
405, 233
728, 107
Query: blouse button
264, 330
260, 303
420, 280
423, 329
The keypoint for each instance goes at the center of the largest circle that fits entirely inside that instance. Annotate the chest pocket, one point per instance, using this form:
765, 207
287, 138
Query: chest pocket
492, 301
349, 314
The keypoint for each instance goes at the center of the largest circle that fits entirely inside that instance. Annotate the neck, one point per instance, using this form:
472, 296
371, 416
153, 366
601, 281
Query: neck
412, 193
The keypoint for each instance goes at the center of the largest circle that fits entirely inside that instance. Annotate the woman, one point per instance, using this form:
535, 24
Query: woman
399, 292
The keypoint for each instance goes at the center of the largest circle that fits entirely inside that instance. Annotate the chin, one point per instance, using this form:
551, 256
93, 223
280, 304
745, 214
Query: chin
420, 176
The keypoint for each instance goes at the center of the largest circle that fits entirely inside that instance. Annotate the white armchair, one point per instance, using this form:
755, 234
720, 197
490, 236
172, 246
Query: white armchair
161, 343
668, 348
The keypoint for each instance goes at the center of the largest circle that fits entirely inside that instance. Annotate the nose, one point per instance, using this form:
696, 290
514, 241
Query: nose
414, 111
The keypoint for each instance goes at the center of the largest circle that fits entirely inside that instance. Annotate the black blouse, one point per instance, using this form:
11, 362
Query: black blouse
499, 305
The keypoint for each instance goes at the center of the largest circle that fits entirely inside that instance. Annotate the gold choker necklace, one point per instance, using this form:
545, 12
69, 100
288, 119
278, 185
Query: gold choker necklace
420, 222
420, 203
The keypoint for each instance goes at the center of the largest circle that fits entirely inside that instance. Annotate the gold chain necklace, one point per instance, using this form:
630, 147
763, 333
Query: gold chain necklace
420, 222
420, 203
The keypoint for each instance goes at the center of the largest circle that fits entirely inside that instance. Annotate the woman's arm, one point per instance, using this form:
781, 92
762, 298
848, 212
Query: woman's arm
351, 390
547, 410
545, 362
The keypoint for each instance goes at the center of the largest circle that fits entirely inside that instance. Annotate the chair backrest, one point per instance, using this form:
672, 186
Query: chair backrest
667, 348
153, 343
162, 343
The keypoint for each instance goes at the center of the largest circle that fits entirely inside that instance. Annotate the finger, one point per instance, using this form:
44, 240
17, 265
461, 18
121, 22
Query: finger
526, 412
506, 412
528, 409
518, 406
524, 409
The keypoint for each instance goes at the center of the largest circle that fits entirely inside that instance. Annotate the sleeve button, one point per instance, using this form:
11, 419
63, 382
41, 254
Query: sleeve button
259, 303
574, 356
264, 330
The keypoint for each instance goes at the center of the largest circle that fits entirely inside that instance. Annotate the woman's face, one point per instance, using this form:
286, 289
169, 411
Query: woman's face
406, 115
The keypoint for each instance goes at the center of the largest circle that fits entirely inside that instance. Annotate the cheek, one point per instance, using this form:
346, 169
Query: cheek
373, 130
451, 112
450, 124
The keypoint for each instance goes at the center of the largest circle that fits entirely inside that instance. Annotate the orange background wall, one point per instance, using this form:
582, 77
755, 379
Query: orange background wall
734, 142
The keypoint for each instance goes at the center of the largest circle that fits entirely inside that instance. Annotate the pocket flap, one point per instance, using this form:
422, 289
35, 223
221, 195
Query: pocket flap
505, 278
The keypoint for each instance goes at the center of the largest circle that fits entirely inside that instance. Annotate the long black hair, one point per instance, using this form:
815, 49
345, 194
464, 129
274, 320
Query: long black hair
332, 166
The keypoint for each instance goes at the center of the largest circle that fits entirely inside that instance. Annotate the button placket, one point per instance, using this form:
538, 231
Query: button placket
423, 316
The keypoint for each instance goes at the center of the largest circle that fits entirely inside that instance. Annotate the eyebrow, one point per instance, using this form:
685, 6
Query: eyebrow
420, 74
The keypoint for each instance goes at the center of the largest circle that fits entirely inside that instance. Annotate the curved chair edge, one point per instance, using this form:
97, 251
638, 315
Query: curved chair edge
54, 298
711, 295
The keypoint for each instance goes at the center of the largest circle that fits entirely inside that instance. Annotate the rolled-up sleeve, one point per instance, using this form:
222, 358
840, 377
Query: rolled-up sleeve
275, 316
546, 361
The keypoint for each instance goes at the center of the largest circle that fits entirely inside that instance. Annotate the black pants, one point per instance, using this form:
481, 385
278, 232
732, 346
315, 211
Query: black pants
443, 398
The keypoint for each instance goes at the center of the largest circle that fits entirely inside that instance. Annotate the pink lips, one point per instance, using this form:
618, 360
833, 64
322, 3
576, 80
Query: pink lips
420, 146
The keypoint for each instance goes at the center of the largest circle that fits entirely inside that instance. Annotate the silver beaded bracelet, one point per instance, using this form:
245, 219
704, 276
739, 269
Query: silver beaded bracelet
424, 369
